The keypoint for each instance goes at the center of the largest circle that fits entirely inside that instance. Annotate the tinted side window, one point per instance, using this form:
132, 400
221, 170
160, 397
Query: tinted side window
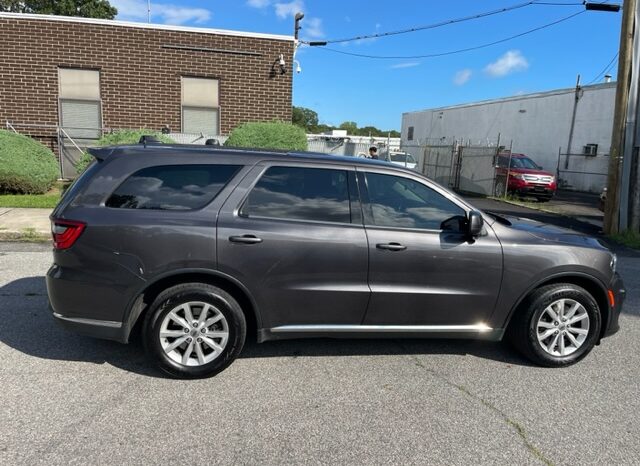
401, 202
316, 194
172, 187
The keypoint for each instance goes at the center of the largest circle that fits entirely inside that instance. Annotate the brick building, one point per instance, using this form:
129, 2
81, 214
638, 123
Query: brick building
90, 75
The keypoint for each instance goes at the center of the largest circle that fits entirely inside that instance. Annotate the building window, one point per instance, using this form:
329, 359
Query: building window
200, 109
410, 133
79, 94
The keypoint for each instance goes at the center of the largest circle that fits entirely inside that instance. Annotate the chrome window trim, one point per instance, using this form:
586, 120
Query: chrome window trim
478, 328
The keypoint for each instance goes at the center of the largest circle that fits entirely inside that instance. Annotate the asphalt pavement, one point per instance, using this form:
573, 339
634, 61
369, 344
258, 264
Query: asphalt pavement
68, 399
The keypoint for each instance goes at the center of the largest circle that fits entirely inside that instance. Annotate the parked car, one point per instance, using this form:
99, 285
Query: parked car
201, 247
526, 178
402, 159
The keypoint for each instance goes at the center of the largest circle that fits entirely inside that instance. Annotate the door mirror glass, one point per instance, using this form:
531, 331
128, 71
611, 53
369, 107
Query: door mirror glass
475, 223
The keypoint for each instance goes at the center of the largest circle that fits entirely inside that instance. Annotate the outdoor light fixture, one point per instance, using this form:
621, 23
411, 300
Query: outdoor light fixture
614, 8
282, 64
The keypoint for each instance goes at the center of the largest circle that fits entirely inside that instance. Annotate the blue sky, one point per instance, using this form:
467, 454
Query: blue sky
376, 92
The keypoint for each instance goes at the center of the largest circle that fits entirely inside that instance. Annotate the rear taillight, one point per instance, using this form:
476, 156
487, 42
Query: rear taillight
66, 232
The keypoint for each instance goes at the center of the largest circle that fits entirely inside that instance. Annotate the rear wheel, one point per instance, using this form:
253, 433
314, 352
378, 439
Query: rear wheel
557, 325
194, 330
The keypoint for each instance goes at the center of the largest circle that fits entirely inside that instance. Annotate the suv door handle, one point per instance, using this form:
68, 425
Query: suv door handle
391, 246
245, 239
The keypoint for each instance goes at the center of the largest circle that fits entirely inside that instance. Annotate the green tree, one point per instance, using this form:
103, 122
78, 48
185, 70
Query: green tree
305, 118
350, 126
85, 8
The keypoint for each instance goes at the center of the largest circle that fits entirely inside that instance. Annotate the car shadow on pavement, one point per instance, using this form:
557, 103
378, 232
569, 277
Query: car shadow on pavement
28, 327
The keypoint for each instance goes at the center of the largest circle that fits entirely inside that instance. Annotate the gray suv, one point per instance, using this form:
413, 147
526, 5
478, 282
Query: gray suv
200, 247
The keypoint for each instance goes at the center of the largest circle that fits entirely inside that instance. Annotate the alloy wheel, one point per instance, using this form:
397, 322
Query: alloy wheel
194, 333
563, 327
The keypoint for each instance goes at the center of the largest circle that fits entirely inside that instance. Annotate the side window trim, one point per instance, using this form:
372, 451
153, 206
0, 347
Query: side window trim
355, 205
367, 208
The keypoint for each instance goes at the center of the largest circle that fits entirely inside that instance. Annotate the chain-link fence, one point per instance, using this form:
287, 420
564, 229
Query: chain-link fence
463, 165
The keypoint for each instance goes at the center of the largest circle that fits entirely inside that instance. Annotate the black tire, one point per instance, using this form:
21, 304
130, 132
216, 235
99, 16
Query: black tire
522, 331
500, 187
172, 297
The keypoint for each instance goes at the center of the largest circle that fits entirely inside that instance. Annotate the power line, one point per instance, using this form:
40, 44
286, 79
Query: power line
448, 22
606, 69
452, 52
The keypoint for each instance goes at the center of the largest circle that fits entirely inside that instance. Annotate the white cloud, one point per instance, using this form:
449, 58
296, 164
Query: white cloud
462, 76
408, 64
510, 62
284, 10
312, 28
258, 3
136, 10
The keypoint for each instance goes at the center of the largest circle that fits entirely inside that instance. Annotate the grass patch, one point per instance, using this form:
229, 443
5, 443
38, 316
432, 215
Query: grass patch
535, 205
630, 239
26, 235
38, 201
43, 201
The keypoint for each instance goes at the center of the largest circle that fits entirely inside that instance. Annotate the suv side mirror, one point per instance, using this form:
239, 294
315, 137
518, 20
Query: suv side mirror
475, 223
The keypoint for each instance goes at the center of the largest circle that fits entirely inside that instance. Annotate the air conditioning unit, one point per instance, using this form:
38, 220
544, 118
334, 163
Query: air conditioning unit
590, 150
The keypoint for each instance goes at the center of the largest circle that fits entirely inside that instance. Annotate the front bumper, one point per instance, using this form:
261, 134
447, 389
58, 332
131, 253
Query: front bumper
619, 294
533, 190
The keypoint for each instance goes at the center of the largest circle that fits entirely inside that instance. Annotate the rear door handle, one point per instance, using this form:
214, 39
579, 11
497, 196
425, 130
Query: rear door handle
391, 246
245, 239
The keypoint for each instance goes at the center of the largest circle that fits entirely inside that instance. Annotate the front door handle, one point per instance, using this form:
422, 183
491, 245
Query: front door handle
391, 246
245, 239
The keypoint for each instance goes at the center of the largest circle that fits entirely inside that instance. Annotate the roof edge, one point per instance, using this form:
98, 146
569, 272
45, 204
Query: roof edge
132, 24
533, 95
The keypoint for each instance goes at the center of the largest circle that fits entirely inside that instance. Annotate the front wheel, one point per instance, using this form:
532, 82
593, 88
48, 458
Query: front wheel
194, 330
557, 325
500, 188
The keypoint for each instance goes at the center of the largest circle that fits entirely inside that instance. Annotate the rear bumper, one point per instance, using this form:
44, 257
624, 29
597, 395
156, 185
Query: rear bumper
84, 305
619, 293
104, 329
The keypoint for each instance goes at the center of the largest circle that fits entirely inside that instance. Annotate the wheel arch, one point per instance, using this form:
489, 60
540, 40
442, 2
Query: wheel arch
143, 299
588, 282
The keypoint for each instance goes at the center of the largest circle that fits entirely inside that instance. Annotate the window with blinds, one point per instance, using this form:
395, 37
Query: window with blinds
200, 108
79, 94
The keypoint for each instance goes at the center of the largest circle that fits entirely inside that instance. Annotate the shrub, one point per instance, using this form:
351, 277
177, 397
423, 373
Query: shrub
125, 136
26, 166
271, 135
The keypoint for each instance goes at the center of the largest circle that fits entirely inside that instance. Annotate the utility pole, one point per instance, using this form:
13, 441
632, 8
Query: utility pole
611, 208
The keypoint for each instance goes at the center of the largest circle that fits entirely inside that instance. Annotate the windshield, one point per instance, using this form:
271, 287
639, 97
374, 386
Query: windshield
523, 162
399, 157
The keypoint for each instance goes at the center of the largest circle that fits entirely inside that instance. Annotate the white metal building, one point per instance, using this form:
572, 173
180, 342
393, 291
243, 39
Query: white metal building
566, 130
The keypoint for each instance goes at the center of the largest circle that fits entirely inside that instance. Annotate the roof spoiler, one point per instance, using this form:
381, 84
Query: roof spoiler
100, 153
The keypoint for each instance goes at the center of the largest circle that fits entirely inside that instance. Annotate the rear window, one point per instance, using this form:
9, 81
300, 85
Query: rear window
175, 187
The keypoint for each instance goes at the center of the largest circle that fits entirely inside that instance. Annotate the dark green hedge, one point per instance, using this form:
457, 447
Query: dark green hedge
268, 135
26, 166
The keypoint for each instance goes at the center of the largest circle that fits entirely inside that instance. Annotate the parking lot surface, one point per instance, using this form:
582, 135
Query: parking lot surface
69, 399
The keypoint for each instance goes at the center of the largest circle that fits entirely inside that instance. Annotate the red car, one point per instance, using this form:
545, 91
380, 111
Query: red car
526, 178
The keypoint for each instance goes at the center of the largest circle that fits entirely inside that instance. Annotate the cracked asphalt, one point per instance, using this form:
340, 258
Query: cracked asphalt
68, 399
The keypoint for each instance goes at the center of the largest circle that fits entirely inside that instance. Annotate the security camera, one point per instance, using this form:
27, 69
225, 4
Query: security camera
298, 67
